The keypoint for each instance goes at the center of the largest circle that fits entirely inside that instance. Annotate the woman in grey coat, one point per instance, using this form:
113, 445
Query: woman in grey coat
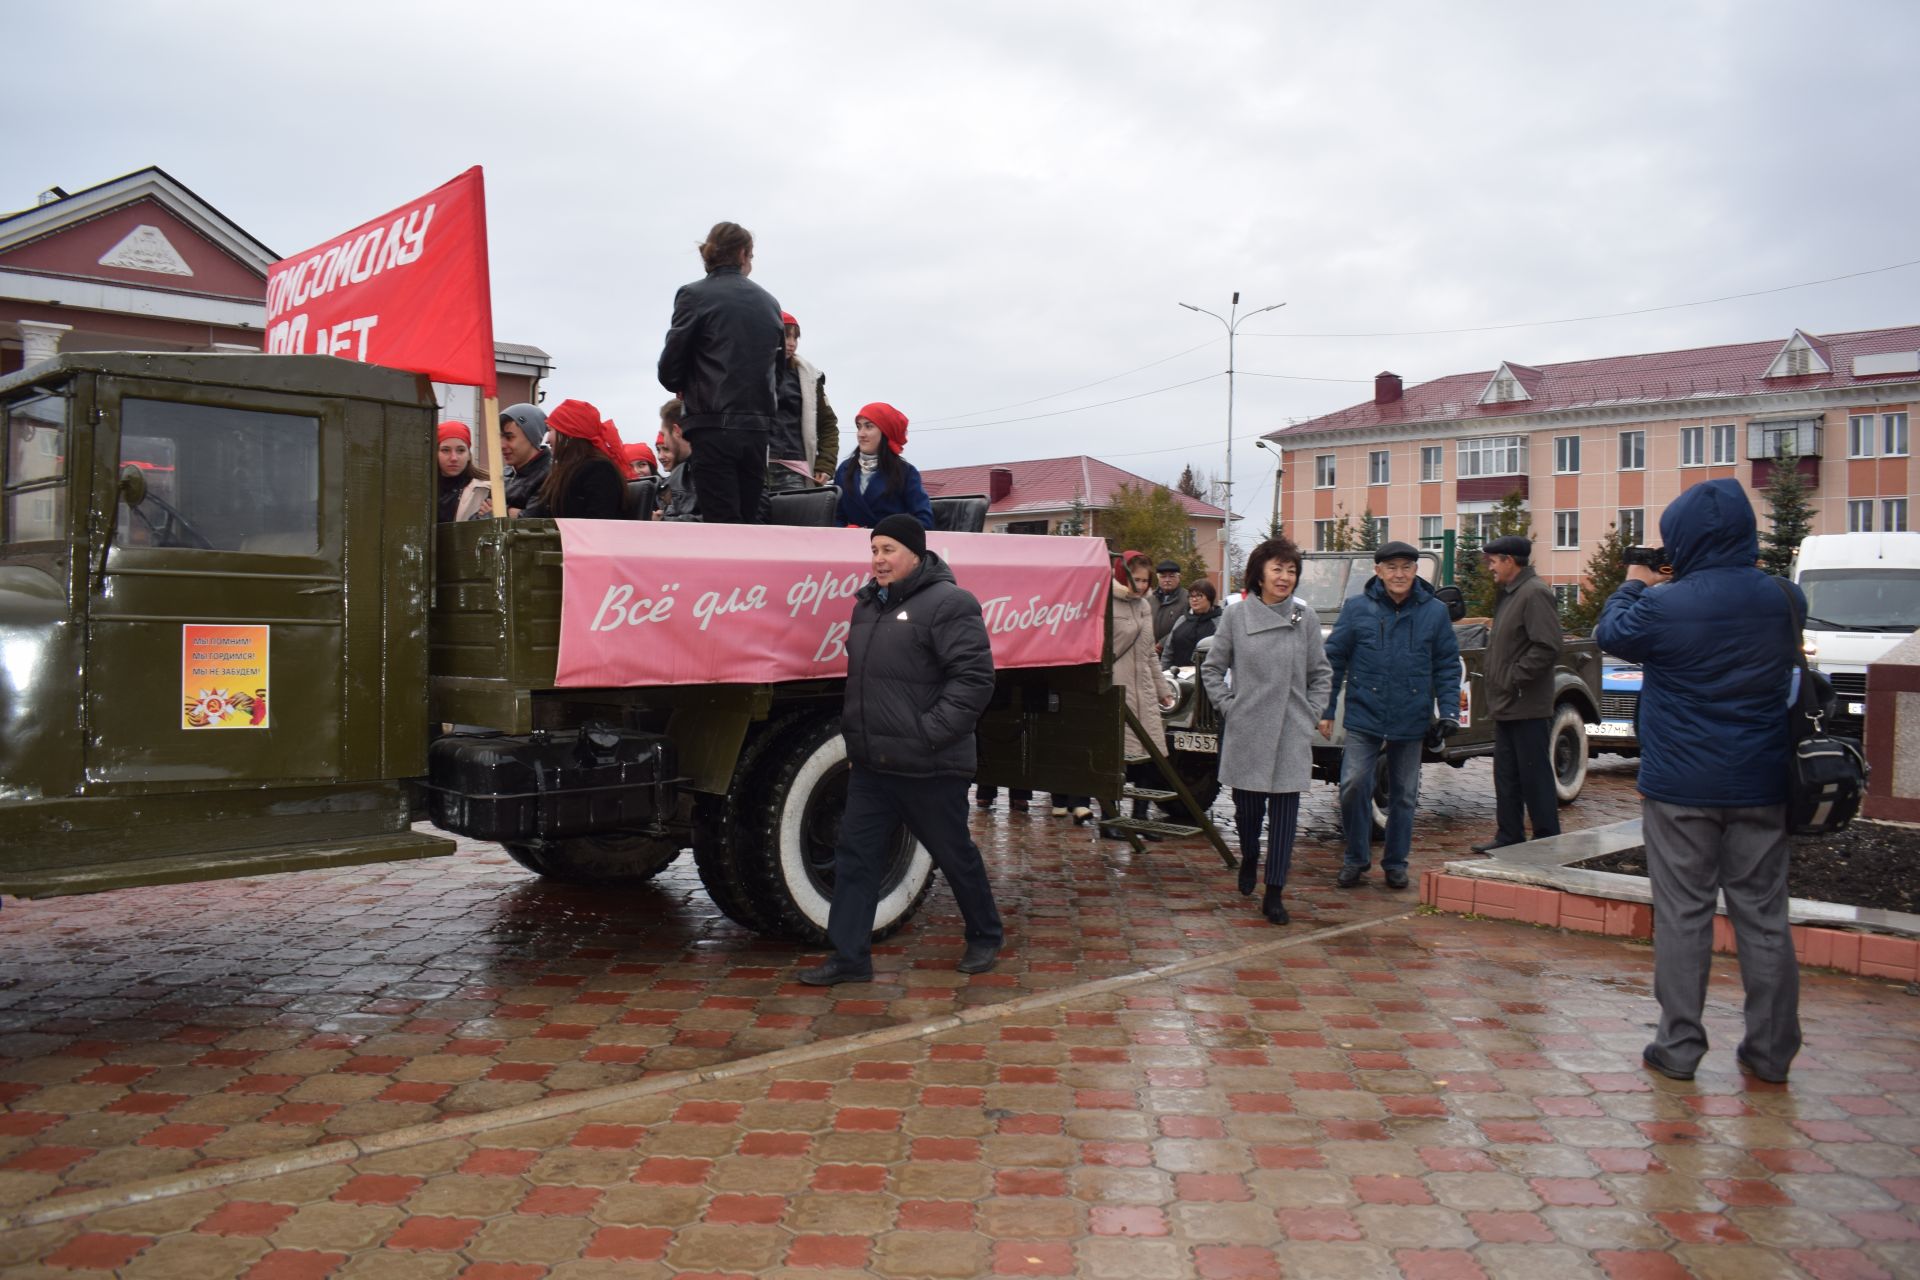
1281, 680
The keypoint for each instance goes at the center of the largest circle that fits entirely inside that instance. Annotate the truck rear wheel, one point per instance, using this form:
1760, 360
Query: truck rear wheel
1567, 748
1201, 772
791, 823
720, 825
610, 859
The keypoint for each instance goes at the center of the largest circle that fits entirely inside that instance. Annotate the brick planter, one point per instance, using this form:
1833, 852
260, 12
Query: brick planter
1867, 954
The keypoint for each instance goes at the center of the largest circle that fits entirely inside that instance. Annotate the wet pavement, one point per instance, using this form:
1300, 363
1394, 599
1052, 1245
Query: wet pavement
1415, 1095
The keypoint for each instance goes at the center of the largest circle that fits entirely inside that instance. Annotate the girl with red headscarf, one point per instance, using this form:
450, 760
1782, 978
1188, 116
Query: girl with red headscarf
589, 477
463, 486
875, 483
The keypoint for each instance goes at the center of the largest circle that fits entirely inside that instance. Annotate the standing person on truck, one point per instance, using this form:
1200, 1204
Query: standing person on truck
919, 675
1718, 647
722, 360
1271, 646
1393, 650
807, 430
1521, 652
876, 482
523, 446
587, 480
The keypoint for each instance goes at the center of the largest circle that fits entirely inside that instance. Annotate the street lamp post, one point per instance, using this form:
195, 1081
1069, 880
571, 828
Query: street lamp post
1231, 322
1279, 473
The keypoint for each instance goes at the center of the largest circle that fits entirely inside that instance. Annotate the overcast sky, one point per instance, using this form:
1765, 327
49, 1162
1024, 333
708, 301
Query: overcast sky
973, 208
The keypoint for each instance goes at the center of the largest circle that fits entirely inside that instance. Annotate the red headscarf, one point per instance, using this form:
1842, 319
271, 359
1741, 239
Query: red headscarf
582, 421
786, 317
892, 423
1120, 563
453, 431
640, 453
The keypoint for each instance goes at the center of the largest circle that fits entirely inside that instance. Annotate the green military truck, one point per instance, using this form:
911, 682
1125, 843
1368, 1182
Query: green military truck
233, 639
1327, 580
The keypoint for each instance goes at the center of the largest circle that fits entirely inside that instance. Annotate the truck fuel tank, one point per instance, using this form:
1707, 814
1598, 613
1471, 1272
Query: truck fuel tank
548, 786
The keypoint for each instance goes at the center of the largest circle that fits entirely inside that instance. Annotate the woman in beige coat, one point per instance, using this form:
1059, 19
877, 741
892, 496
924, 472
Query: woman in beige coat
1136, 669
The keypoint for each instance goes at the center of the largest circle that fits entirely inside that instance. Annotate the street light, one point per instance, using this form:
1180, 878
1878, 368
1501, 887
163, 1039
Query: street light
1279, 471
1231, 322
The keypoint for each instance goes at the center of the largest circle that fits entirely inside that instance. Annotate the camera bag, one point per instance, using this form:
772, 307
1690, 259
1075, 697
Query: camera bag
1825, 775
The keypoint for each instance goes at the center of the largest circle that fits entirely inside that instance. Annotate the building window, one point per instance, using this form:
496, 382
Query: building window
1479, 524
1777, 439
1860, 436
1860, 516
1377, 526
1693, 446
1493, 456
1895, 436
1633, 451
1432, 463
1566, 531
1633, 525
1323, 472
1566, 594
1377, 467
1323, 535
1566, 455
1893, 515
1431, 534
1723, 436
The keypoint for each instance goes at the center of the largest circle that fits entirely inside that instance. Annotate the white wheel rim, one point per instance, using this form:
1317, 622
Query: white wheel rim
793, 860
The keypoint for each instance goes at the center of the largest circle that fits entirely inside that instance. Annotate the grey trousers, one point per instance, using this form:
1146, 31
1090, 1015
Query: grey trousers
1691, 853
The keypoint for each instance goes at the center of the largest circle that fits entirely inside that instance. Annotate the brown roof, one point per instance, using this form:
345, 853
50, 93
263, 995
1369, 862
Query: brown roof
1047, 484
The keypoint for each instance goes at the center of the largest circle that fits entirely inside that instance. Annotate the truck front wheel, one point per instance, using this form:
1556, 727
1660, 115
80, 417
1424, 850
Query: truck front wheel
1567, 748
610, 859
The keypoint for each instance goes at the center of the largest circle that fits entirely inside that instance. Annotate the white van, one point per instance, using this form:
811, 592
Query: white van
1863, 598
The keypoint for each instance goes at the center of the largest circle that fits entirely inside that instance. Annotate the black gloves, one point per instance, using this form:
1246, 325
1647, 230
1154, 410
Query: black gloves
1439, 731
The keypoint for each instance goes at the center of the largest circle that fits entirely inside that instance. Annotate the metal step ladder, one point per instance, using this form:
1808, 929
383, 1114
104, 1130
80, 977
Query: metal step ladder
1134, 828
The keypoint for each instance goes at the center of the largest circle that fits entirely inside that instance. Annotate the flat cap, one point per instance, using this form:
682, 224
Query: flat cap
1396, 551
1167, 566
1511, 544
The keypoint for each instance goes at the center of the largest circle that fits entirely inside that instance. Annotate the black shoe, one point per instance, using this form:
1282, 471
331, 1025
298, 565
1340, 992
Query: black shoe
1349, 877
1016, 806
1249, 874
1747, 1066
1272, 908
1653, 1062
979, 957
983, 801
832, 973
1396, 879
1489, 847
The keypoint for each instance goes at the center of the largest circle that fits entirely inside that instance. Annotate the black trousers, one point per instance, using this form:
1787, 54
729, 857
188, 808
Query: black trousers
729, 469
1523, 781
935, 811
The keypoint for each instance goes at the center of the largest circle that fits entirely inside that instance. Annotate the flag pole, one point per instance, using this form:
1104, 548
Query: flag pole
490, 433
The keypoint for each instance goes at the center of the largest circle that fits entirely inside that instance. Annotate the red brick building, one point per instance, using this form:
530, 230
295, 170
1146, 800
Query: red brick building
1038, 495
1593, 443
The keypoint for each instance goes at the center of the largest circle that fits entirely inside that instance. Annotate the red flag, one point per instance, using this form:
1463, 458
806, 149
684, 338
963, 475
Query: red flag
408, 290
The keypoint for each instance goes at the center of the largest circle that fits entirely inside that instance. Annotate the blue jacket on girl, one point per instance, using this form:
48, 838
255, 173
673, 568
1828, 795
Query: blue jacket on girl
876, 504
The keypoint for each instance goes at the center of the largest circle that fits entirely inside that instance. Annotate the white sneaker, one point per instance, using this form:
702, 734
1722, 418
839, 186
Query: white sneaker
1059, 811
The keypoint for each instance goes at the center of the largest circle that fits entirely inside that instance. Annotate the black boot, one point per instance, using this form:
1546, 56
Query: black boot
1249, 872
1272, 908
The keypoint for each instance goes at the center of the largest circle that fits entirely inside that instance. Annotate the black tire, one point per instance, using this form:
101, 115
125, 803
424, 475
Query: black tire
1201, 773
614, 858
793, 802
1567, 752
717, 826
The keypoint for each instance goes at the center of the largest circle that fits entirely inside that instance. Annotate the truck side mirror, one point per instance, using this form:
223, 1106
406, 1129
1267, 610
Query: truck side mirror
1455, 601
133, 485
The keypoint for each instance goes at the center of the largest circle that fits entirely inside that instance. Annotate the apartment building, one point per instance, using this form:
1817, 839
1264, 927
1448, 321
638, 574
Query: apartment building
1593, 443
1039, 495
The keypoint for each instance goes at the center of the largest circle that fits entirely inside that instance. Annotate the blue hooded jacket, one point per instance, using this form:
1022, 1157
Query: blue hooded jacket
1396, 661
1718, 645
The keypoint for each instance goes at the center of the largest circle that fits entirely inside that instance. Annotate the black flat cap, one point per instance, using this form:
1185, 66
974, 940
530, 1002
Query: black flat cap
1510, 545
1396, 551
1166, 566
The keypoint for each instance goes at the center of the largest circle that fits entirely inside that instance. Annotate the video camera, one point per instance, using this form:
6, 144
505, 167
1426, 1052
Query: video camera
1654, 558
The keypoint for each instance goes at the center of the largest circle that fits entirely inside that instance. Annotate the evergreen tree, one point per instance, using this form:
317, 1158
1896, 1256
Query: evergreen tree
1606, 570
1789, 514
1470, 573
1369, 531
1341, 535
1189, 484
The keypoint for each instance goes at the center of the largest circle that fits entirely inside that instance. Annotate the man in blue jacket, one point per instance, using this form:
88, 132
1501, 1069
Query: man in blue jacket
1393, 650
1717, 645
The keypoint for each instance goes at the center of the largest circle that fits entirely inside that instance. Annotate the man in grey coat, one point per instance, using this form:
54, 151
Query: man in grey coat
1521, 654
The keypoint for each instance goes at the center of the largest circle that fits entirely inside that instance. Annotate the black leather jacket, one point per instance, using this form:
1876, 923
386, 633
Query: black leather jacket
723, 352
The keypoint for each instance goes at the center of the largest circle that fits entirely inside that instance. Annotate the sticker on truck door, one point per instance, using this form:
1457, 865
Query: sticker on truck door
223, 676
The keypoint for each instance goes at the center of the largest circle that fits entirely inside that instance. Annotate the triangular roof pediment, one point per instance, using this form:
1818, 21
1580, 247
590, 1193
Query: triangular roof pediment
1803, 355
1511, 384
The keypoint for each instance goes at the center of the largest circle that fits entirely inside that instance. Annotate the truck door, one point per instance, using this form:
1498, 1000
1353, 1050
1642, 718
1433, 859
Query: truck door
216, 623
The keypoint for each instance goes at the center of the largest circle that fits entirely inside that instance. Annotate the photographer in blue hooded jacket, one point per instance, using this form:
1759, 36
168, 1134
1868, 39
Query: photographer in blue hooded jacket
1717, 644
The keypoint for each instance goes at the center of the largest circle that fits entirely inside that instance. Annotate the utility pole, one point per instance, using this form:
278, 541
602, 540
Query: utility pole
1231, 322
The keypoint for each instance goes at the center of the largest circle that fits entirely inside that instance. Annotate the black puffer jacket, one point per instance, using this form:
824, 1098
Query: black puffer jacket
1189, 631
724, 352
919, 673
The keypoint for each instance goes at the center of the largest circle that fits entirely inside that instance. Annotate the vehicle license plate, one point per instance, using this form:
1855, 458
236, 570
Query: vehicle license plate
1207, 742
1610, 729
1856, 708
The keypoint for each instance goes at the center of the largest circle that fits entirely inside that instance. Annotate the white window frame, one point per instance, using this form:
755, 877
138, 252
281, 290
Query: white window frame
1861, 432
1636, 535
1693, 446
1566, 594
1633, 444
1566, 455
1566, 531
1379, 523
1322, 534
1860, 515
1492, 456
1379, 466
1432, 532
1433, 463
1893, 435
1727, 435
1326, 470
1479, 523
1893, 515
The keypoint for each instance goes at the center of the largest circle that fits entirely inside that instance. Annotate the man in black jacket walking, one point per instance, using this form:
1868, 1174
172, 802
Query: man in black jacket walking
722, 359
1521, 654
919, 673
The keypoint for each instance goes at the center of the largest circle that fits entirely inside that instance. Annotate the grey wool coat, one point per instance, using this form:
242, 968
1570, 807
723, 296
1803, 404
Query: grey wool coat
1281, 682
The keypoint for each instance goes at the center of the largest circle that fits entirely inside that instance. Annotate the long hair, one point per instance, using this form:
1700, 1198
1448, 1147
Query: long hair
571, 456
893, 468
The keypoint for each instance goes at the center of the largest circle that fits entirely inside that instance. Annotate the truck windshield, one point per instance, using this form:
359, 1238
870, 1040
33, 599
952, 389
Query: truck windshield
1862, 599
221, 479
1323, 582
35, 480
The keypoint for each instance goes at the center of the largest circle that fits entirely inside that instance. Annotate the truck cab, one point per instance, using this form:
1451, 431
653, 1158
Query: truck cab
1863, 598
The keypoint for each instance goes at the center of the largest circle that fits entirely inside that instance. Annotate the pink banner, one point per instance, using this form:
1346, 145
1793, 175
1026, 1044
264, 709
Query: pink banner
648, 603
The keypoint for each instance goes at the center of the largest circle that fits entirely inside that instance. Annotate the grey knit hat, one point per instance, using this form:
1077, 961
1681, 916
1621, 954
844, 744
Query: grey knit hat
531, 419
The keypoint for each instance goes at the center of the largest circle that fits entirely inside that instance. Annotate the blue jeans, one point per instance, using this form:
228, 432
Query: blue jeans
1356, 799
